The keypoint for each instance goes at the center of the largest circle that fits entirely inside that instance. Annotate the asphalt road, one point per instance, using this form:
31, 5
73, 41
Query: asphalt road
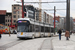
13, 43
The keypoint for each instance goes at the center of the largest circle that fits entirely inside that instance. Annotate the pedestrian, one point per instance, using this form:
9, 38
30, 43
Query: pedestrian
59, 31
9, 33
67, 34
70, 32
0, 36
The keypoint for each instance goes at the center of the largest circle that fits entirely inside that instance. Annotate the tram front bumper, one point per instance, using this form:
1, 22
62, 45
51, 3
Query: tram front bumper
23, 36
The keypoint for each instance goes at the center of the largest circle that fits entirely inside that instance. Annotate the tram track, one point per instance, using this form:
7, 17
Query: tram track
8, 45
43, 47
13, 43
46, 45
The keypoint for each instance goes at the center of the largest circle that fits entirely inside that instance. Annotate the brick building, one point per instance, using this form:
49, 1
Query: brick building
17, 12
8, 18
2, 16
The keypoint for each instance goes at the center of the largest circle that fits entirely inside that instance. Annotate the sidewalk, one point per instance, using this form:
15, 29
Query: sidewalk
55, 44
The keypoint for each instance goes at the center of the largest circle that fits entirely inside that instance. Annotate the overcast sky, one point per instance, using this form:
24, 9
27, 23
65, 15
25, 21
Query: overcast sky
7, 5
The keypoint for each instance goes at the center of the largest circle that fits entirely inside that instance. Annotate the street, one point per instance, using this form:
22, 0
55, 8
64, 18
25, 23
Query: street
46, 43
12, 43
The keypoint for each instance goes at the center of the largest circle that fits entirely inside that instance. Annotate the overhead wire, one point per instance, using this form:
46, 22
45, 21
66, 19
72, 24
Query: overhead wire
49, 6
60, 6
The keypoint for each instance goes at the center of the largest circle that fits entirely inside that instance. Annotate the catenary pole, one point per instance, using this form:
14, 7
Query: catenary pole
22, 8
68, 16
54, 18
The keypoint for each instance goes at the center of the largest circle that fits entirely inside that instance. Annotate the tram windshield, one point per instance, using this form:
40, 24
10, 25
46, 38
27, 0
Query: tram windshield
23, 27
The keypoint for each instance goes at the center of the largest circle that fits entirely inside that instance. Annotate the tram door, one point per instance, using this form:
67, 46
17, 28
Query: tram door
37, 33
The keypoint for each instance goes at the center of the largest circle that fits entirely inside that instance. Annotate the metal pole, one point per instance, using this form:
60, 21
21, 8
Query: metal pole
22, 8
44, 23
39, 26
50, 29
68, 16
54, 18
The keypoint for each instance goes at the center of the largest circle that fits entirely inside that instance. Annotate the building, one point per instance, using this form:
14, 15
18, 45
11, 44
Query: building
8, 18
2, 16
5, 17
57, 22
62, 23
50, 19
57, 18
47, 18
71, 23
30, 12
37, 14
44, 17
74, 24
16, 13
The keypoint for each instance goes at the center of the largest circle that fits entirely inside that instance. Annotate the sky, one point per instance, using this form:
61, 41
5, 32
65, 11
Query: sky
7, 5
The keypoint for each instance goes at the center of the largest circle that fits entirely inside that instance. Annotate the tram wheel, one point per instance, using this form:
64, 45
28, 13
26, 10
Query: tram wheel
33, 36
42, 36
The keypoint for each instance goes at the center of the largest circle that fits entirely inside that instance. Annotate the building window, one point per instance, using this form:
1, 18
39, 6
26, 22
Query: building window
18, 12
6, 24
14, 7
8, 20
18, 7
14, 12
18, 16
14, 21
14, 16
6, 17
15, 24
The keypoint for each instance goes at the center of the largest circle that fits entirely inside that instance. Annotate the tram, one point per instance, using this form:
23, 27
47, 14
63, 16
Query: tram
29, 28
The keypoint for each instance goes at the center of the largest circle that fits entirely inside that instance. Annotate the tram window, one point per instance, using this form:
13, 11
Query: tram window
36, 28
52, 29
46, 29
33, 28
39, 28
30, 28
42, 29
